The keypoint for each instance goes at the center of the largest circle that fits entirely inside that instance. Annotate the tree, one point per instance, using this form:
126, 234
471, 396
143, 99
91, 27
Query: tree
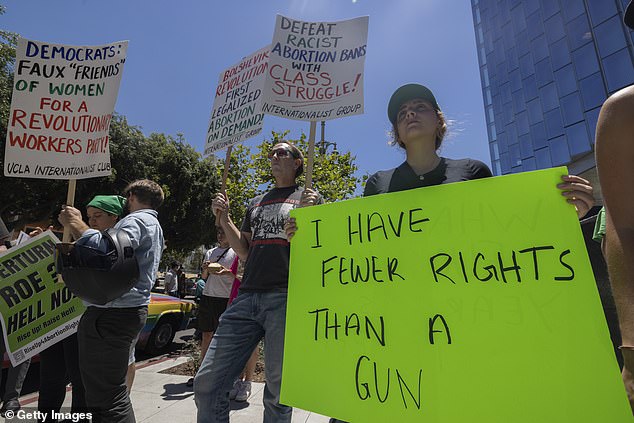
250, 173
189, 182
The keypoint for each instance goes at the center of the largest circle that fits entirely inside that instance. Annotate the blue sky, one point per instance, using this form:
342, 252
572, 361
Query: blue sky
177, 50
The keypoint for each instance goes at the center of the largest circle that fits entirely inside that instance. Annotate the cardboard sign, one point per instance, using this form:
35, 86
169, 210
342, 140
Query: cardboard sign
63, 100
36, 310
316, 69
236, 114
466, 302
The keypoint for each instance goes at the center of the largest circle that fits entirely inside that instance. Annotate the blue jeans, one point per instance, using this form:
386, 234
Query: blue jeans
250, 317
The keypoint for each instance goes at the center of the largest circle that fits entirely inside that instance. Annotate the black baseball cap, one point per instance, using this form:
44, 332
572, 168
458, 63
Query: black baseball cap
629, 15
406, 93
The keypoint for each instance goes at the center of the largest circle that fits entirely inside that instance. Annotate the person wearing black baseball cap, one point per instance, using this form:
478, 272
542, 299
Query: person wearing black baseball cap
419, 126
614, 150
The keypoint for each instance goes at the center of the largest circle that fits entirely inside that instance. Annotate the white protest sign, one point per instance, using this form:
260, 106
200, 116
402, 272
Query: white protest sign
316, 69
63, 100
236, 114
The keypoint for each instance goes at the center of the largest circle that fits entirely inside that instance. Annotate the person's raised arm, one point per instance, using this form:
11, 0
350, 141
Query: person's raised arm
237, 239
71, 217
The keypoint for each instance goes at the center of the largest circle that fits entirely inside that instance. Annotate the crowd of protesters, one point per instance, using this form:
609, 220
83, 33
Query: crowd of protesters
235, 314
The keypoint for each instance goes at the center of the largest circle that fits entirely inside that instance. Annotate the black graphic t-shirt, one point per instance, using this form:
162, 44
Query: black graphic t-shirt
403, 177
266, 268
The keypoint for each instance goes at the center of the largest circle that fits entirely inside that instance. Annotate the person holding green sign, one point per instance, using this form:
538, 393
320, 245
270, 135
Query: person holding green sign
419, 127
61, 360
15, 375
107, 332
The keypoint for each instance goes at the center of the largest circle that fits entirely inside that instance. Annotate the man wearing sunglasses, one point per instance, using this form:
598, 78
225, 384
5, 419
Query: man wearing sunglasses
260, 308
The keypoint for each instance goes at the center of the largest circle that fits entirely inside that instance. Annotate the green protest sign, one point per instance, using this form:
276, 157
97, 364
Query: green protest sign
468, 302
37, 311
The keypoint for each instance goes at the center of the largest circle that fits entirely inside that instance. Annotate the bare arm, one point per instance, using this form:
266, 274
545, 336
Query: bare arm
615, 163
237, 239
615, 159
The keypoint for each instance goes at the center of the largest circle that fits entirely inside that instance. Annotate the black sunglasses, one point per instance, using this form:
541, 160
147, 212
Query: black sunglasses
280, 153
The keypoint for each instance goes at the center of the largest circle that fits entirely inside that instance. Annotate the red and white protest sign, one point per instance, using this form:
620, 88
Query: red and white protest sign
316, 69
236, 114
62, 105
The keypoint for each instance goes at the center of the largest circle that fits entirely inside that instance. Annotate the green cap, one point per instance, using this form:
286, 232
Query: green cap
112, 204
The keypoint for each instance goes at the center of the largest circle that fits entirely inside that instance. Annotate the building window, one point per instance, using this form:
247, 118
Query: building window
516, 80
592, 117
566, 80
592, 91
559, 151
519, 20
579, 32
492, 133
578, 141
549, 7
554, 28
522, 43
585, 61
519, 104
529, 164
527, 67
485, 76
514, 151
534, 26
505, 163
542, 157
572, 109
560, 54
497, 169
526, 146
610, 37
538, 135
549, 97
534, 108
483, 56
600, 10
530, 87
554, 123
539, 47
522, 123
572, 9
543, 72
619, 71
487, 96
495, 152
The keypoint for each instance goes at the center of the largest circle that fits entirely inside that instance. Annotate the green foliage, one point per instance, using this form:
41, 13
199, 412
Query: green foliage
250, 173
189, 182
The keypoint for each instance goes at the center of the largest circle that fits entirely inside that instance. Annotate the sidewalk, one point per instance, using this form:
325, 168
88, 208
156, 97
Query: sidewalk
165, 398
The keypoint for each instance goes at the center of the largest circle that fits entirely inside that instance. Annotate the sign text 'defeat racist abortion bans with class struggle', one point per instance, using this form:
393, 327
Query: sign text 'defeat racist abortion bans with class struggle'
471, 301
316, 69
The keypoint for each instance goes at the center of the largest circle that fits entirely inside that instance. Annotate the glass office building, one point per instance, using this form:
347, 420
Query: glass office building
546, 67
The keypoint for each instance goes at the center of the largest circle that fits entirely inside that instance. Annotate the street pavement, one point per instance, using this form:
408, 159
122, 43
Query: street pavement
165, 398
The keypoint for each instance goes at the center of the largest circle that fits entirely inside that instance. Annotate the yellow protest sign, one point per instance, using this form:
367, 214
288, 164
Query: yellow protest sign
468, 302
